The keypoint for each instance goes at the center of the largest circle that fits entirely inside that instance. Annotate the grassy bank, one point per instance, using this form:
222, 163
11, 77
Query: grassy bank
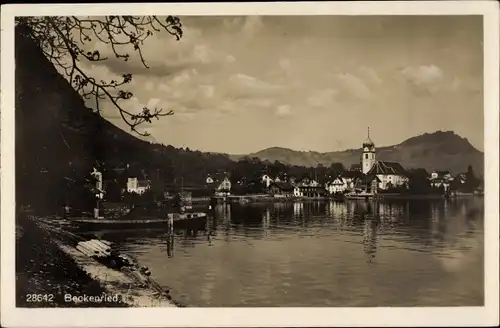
43, 269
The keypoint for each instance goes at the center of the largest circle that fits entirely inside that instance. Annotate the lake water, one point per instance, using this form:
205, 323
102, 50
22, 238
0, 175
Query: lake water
357, 253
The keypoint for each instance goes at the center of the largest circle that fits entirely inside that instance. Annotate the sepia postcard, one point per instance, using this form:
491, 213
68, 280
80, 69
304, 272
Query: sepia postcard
301, 164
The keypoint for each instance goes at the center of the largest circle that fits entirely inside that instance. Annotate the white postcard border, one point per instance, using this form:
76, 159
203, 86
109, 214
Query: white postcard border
270, 317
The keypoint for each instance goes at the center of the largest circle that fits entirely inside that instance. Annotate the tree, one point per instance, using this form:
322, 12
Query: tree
471, 182
65, 42
419, 182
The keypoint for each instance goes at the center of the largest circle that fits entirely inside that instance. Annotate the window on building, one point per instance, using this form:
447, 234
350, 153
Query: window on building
366, 156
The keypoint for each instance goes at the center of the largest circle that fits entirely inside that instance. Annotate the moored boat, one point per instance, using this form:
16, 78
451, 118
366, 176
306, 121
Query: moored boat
362, 195
180, 220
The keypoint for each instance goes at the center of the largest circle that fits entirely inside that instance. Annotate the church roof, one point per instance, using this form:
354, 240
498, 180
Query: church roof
381, 167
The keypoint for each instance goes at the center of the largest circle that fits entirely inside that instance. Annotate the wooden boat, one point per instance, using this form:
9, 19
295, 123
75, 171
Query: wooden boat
195, 220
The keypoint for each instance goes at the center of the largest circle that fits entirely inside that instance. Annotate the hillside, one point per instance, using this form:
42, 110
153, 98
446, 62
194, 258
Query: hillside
58, 137
432, 151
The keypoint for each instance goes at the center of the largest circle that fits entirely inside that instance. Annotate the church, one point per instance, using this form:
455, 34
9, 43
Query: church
389, 174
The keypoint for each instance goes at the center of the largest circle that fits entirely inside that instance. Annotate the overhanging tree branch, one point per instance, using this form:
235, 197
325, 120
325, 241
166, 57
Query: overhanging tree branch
63, 40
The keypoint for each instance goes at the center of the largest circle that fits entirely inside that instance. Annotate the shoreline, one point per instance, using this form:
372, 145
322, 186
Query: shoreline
245, 199
52, 273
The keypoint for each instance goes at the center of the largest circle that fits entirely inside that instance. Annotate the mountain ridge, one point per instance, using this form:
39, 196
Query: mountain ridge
439, 150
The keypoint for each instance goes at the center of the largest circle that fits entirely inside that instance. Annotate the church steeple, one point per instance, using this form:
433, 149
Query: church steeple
368, 155
368, 142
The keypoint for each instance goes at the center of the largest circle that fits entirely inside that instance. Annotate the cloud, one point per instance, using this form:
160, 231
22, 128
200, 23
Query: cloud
285, 64
423, 79
283, 111
370, 75
164, 55
245, 86
351, 85
322, 98
252, 25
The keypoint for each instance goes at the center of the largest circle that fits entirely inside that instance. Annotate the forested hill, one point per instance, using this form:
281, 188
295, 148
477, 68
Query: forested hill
59, 139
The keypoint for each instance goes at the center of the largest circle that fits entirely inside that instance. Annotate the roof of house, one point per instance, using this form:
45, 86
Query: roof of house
282, 175
351, 174
381, 167
368, 179
337, 180
441, 173
282, 185
356, 167
143, 183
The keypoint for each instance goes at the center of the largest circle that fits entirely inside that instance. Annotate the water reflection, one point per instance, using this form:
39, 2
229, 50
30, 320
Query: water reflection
170, 245
370, 239
353, 253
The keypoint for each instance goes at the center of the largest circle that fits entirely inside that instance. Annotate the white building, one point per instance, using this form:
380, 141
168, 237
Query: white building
390, 174
266, 180
297, 192
440, 179
335, 186
136, 186
223, 188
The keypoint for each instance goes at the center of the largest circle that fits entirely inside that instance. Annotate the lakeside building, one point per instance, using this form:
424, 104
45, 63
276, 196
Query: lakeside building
281, 189
336, 185
136, 186
266, 180
222, 185
440, 179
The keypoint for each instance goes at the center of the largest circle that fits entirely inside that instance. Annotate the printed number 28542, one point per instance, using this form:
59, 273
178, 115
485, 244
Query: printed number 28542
39, 298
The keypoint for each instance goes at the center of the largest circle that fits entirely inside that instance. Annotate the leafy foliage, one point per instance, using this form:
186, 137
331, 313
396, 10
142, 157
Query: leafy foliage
64, 42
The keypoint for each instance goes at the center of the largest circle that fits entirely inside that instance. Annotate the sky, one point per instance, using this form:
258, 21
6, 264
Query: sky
241, 84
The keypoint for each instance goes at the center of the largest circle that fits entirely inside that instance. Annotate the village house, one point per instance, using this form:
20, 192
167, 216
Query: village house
136, 186
461, 178
281, 190
337, 185
440, 179
368, 184
390, 174
307, 182
266, 180
307, 187
282, 177
297, 192
222, 185
209, 180
349, 178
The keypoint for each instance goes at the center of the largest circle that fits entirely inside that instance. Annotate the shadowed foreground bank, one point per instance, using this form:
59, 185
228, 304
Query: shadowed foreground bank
45, 274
